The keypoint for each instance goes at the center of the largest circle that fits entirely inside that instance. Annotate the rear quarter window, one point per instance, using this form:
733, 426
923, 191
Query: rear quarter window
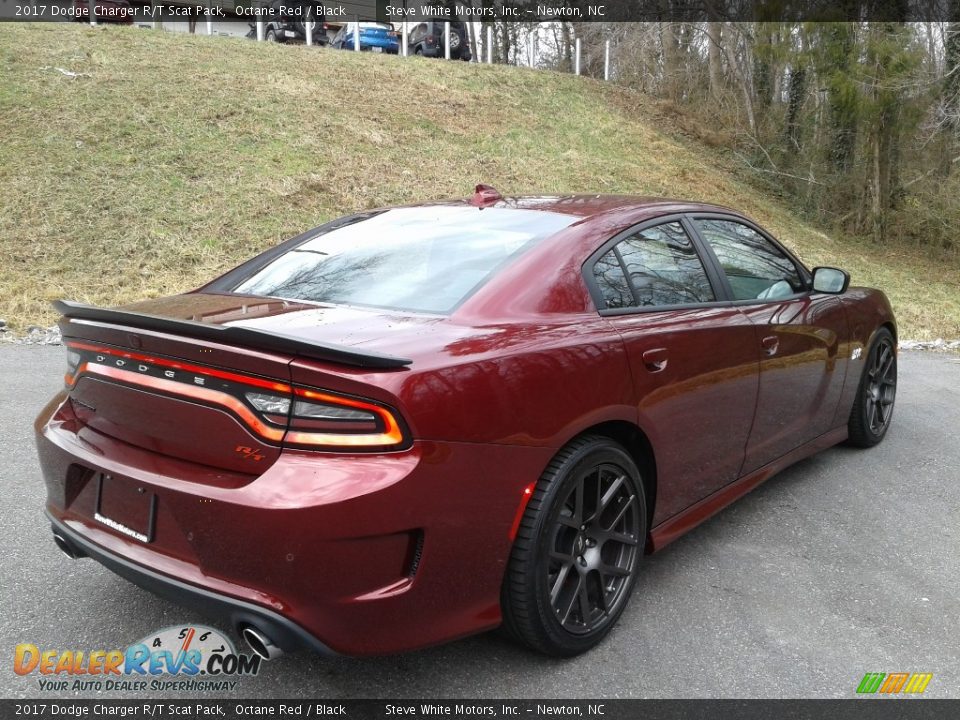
656, 266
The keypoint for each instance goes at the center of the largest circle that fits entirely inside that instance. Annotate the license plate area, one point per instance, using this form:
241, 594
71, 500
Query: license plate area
125, 507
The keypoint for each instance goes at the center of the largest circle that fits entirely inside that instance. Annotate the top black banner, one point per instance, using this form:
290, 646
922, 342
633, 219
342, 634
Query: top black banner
520, 11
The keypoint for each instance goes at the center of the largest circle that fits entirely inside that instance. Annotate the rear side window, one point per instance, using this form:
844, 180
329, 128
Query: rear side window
652, 267
755, 268
424, 259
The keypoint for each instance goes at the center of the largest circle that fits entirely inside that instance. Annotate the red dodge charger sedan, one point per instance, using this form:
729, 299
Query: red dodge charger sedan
413, 424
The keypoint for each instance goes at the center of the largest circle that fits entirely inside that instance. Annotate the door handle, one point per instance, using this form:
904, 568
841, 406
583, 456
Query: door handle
655, 360
771, 343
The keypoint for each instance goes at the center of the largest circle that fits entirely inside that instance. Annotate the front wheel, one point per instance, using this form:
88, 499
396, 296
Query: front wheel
873, 406
578, 547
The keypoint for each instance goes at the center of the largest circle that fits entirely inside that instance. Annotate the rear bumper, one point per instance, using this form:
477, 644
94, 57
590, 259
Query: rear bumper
286, 634
437, 51
352, 554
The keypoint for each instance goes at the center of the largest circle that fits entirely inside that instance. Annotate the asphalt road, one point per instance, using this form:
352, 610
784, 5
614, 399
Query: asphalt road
844, 564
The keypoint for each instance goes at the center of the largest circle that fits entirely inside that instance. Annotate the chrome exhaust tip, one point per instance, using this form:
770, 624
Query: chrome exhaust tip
260, 644
65, 547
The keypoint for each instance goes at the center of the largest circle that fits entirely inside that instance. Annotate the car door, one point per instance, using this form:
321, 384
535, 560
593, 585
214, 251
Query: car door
799, 335
693, 357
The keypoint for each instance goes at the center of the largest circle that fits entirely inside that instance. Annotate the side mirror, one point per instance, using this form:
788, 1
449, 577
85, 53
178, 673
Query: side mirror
830, 280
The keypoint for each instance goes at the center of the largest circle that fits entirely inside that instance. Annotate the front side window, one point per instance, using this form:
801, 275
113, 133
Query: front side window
755, 268
653, 267
424, 259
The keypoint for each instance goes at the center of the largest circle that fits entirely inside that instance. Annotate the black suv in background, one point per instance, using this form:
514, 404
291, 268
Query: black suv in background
287, 22
426, 39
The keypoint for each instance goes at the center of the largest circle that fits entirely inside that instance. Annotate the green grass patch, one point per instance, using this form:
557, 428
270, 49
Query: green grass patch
170, 158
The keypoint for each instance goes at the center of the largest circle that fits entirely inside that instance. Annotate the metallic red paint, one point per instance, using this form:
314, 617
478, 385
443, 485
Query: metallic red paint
379, 552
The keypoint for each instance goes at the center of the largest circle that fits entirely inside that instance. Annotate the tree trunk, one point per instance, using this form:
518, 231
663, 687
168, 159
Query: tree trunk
741, 67
843, 101
884, 43
762, 65
671, 60
647, 59
951, 94
796, 94
713, 57
504, 44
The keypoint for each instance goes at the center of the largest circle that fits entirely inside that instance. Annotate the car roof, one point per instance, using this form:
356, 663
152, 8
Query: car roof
584, 206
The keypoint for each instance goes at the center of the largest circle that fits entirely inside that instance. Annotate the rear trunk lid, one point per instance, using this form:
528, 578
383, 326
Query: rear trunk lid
158, 376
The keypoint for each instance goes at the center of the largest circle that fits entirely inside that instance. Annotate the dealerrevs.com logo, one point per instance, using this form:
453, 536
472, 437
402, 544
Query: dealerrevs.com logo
194, 658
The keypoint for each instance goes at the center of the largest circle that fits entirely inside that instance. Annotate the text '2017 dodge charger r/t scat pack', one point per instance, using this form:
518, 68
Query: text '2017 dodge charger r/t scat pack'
413, 424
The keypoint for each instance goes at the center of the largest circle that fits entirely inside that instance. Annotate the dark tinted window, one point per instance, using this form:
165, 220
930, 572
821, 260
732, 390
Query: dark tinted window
423, 258
755, 267
612, 282
662, 268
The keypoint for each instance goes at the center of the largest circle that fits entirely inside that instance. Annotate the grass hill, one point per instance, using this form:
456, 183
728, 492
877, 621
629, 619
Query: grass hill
168, 158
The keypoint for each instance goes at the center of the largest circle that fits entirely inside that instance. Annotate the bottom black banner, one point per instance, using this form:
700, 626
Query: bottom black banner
867, 709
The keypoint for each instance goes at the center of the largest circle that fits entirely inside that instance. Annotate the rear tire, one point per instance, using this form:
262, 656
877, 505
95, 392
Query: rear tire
873, 405
575, 559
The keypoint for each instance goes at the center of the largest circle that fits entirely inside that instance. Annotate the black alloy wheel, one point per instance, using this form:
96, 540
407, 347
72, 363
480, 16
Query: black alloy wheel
873, 406
577, 551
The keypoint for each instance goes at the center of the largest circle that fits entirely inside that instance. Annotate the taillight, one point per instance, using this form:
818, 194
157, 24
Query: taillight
269, 404
73, 362
275, 411
323, 419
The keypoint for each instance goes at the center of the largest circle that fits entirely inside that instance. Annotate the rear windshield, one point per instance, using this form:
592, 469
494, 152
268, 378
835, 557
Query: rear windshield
423, 259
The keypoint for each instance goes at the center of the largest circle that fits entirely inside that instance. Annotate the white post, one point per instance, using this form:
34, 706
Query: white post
209, 20
576, 61
92, 7
533, 46
308, 25
403, 40
446, 40
261, 30
606, 60
489, 45
356, 34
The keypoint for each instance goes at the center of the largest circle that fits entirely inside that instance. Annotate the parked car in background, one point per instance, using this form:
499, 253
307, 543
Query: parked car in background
427, 39
412, 424
374, 37
288, 23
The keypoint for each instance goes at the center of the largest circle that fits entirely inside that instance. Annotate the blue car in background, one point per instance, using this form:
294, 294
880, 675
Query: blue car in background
374, 37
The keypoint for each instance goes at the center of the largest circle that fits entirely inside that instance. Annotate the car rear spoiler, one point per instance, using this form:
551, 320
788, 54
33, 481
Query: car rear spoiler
243, 336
